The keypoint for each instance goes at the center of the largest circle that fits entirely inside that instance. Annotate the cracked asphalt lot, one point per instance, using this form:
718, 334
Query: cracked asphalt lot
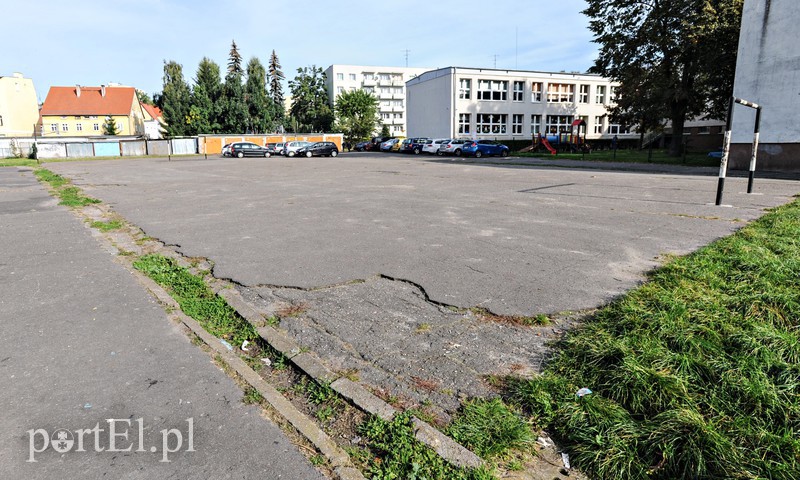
332, 233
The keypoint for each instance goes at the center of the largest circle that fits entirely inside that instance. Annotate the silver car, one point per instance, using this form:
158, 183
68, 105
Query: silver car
432, 145
452, 147
290, 148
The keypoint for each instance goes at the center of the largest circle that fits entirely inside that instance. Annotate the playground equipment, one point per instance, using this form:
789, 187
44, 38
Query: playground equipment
573, 141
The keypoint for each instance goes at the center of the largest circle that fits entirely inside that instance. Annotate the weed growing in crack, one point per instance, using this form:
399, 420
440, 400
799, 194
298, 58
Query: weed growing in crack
490, 428
252, 397
292, 310
107, 226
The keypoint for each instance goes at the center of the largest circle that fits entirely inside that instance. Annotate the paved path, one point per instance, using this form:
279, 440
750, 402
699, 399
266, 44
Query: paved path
82, 342
515, 240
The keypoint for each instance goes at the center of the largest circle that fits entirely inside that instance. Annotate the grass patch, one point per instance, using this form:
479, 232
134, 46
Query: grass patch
490, 428
107, 226
196, 299
394, 453
696, 374
70, 195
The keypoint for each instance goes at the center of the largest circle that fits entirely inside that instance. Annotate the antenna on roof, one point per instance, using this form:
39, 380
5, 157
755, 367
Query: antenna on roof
406, 52
495, 60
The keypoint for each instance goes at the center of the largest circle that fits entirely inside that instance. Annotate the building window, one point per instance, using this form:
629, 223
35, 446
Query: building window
519, 92
340, 76
558, 124
493, 90
516, 124
79, 127
369, 90
96, 127
397, 103
353, 77
583, 97
385, 76
598, 125
613, 94
463, 123
64, 127
560, 92
398, 116
536, 92
464, 86
119, 127
54, 127
398, 91
491, 123
536, 124
398, 128
385, 116
614, 129
339, 90
600, 94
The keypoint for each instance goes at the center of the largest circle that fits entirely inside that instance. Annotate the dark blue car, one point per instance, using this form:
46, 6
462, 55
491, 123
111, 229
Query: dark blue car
479, 148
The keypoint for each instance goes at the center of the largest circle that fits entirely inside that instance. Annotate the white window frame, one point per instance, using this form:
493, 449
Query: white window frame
464, 123
517, 120
598, 124
96, 127
561, 93
79, 127
519, 91
54, 127
583, 94
600, 94
464, 88
561, 124
491, 123
340, 76
492, 90
536, 124
65, 127
536, 92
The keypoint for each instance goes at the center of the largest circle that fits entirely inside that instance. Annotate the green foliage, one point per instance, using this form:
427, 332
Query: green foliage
55, 180
252, 396
310, 109
205, 109
695, 374
196, 299
175, 100
110, 126
276, 78
356, 114
107, 226
144, 97
384, 130
398, 455
259, 104
235, 60
234, 108
70, 196
674, 59
490, 428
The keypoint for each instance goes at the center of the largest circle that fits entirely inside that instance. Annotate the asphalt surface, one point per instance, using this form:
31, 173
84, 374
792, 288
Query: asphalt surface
81, 342
513, 239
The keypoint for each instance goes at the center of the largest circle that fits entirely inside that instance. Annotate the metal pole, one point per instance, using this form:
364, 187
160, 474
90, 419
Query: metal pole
755, 151
726, 147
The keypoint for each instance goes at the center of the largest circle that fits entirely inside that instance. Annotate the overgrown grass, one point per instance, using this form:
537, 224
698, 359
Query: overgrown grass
70, 195
395, 454
490, 428
196, 299
696, 374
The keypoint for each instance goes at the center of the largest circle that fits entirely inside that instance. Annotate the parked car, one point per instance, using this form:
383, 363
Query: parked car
361, 146
279, 148
452, 147
290, 148
480, 148
433, 145
388, 144
249, 149
226, 150
319, 149
413, 145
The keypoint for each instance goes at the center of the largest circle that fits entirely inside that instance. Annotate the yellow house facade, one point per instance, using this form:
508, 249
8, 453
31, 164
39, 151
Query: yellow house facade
81, 111
19, 108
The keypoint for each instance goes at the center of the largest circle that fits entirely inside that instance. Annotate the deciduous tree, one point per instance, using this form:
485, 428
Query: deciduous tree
310, 109
674, 58
356, 114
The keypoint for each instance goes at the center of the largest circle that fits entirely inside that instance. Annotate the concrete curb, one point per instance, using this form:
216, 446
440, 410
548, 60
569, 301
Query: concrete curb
309, 363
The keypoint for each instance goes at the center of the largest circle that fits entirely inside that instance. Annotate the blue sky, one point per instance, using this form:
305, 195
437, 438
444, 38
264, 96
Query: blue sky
82, 42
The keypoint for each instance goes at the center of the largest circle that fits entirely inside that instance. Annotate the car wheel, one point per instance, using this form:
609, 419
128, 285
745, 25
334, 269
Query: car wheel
439, 153
308, 154
240, 154
458, 152
504, 153
290, 154
267, 155
416, 151
478, 154
334, 153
